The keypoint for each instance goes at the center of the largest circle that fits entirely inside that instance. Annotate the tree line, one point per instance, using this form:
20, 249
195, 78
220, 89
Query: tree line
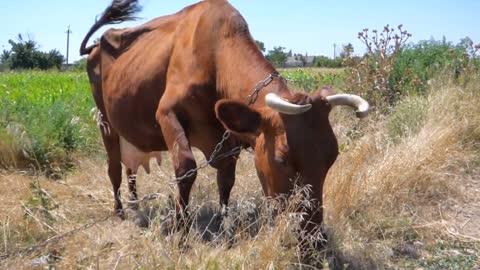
279, 57
25, 54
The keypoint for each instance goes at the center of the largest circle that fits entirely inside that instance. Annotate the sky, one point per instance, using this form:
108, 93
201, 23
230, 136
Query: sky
304, 26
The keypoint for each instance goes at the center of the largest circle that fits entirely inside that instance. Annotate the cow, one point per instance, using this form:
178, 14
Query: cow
182, 80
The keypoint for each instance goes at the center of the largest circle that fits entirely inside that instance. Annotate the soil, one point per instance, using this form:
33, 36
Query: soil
467, 213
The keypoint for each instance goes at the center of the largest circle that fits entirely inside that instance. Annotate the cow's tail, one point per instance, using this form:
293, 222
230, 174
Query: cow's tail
119, 11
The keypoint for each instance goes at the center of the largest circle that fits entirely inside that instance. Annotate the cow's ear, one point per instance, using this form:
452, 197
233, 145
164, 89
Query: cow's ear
238, 117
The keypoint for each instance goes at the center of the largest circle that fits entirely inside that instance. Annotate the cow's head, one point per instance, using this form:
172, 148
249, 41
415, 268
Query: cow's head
292, 139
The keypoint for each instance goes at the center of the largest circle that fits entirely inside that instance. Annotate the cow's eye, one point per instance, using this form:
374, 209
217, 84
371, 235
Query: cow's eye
280, 161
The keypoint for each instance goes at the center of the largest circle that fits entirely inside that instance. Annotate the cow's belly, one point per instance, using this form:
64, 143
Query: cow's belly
133, 118
132, 157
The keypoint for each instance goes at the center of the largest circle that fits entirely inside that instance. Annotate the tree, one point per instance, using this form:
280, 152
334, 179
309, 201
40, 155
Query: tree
5, 60
260, 45
5, 56
277, 56
24, 54
55, 58
347, 51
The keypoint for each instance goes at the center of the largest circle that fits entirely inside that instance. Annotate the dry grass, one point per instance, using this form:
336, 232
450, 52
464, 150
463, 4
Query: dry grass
389, 202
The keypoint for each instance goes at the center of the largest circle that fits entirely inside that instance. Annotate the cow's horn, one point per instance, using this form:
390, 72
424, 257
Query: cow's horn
353, 101
280, 105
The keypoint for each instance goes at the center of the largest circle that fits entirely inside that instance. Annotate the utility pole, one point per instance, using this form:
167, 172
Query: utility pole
68, 41
334, 50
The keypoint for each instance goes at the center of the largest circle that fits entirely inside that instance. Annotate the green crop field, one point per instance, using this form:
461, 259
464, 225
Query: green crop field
45, 117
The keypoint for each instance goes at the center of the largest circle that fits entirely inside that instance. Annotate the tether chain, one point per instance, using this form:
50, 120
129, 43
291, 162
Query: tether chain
251, 98
212, 158
261, 84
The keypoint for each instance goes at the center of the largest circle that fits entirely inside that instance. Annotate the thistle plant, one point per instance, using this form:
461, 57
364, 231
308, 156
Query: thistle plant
371, 76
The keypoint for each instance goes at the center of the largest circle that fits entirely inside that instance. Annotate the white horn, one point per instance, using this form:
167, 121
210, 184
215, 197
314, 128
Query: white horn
280, 105
353, 101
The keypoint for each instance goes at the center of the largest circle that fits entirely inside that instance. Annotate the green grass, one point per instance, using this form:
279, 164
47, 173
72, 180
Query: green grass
311, 79
44, 118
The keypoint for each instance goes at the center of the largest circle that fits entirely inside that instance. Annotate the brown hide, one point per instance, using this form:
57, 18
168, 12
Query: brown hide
178, 81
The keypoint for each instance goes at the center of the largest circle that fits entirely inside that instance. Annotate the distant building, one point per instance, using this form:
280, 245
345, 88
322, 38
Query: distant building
298, 60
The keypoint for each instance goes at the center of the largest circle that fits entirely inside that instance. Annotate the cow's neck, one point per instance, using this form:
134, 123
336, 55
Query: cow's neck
240, 67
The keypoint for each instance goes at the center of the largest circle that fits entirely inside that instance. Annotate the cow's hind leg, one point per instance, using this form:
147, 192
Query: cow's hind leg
132, 188
112, 146
182, 158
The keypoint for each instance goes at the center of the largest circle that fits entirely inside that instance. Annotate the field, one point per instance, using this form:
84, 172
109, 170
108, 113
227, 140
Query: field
403, 194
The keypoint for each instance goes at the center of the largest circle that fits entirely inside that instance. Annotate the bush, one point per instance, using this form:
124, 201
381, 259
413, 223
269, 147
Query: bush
417, 63
79, 65
323, 61
391, 69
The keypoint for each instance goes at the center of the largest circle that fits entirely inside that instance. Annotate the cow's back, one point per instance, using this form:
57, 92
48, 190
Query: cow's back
137, 63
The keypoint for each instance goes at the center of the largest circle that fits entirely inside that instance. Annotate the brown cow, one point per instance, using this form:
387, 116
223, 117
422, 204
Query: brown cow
179, 81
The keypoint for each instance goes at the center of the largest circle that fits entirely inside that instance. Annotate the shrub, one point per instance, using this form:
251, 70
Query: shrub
79, 65
323, 61
391, 69
417, 63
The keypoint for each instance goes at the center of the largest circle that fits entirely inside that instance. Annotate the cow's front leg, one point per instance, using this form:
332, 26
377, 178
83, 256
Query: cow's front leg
225, 180
182, 158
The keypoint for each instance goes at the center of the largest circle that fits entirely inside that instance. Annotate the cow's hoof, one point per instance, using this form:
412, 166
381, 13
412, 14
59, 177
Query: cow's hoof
120, 213
133, 205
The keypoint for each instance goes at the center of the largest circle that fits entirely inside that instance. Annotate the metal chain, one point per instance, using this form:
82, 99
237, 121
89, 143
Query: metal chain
204, 164
261, 84
251, 98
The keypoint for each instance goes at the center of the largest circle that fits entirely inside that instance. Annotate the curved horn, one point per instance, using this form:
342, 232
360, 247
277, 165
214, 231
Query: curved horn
353, 101
280, 105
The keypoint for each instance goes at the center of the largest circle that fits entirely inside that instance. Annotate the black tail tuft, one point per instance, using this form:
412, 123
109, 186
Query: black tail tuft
119, 11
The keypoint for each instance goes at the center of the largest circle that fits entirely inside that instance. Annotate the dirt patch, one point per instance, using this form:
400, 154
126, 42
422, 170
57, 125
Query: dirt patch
467, 213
